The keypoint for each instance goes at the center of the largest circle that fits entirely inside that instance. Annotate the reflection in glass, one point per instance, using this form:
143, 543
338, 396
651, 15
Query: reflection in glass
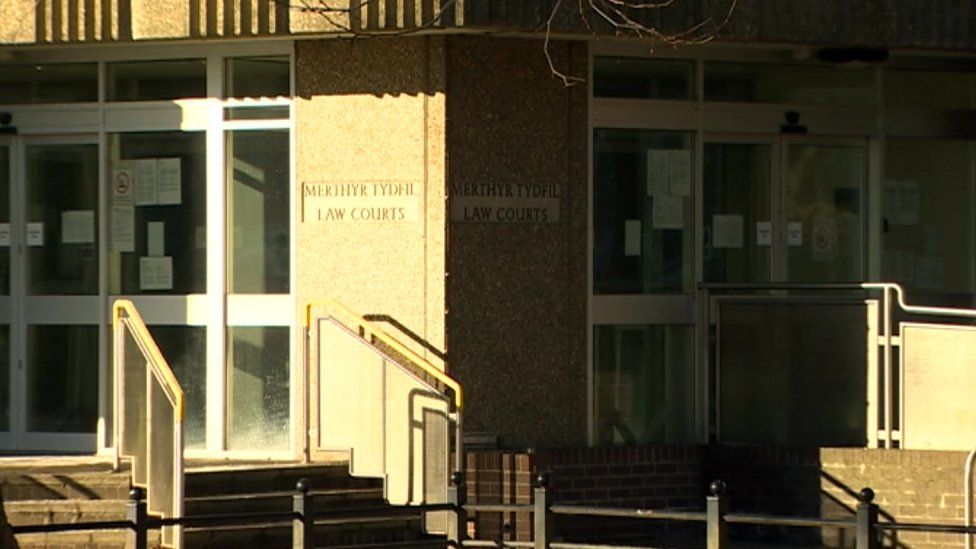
798, 84
823, 196
48, 83
5, 381
258, 77
643, 212
643, 384
163, 216
927, 204
913, 89
185, 349
5, 218
258, 236
257, 388
736, 186
157, 80
62, 207
62, 378
639, 78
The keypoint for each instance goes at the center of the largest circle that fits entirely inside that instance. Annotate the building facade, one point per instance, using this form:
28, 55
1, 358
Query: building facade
222, 163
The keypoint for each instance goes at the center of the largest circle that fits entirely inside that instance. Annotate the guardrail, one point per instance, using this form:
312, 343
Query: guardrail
149, 410
716, 518
891, 432
382, 401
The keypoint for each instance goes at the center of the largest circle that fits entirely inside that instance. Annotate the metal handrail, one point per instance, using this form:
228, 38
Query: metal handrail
887, 336
393, 343
125, 316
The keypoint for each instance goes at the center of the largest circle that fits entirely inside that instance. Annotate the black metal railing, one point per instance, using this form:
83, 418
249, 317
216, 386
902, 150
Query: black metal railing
867, 528
716, 518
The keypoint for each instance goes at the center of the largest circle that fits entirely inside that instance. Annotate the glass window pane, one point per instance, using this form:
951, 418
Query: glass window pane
258, 219
158, 215
157, 80
62, 209
185, 349
928, 239
643, 212
810, 85
62, 379
48, 83
823, 196
904, 89
258, 400
637, 78
256, 113
5, 219
5, 380
257, 77
644, 384
737, 187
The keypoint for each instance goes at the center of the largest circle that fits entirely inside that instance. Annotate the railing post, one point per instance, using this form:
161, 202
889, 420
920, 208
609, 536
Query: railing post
303, 524
457, 495
541, 516
135, 512
716, 505
867, 519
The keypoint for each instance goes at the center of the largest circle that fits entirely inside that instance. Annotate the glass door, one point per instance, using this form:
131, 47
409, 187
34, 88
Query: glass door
54, 303
783, 209
7, 390
823, 185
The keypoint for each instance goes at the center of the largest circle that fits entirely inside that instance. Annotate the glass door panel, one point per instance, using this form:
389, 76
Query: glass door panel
6, 386
62, 217
738, 238
62, 379
823, 209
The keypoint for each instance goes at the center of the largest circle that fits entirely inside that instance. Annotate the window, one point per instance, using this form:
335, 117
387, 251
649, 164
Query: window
48, 83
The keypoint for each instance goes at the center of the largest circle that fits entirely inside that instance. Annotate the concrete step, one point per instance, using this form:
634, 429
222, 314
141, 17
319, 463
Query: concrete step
23, 485
278, 501
202, 482
20, 513
375, 531
95, 539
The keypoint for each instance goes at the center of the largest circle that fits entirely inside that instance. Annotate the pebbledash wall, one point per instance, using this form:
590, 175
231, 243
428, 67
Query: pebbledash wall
909, 486
491, 265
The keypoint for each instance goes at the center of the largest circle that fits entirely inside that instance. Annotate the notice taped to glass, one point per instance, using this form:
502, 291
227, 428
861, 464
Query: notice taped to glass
505, 202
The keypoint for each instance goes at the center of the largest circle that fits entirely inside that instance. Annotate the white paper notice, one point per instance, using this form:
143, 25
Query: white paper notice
668, 212
155, 237
823, 239
764, 233
147, 188
156, 273
680, 173
77, 227
632, 237
794, 233
122, 224
727, 231
900, 202
200, 238
170, 178
4, 235
35, 234
658, 172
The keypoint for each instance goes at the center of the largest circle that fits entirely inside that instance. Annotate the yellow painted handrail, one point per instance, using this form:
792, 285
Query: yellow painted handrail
393, 343
156, 360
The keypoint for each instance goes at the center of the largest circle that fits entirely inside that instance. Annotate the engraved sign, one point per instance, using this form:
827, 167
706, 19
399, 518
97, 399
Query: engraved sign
360, 201
505, 202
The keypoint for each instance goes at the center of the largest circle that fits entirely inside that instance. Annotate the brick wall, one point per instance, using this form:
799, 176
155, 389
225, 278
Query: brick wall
668, 476
910, 486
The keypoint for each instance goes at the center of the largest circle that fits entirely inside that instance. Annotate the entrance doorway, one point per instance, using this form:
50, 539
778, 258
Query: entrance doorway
784, 209
49, 278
